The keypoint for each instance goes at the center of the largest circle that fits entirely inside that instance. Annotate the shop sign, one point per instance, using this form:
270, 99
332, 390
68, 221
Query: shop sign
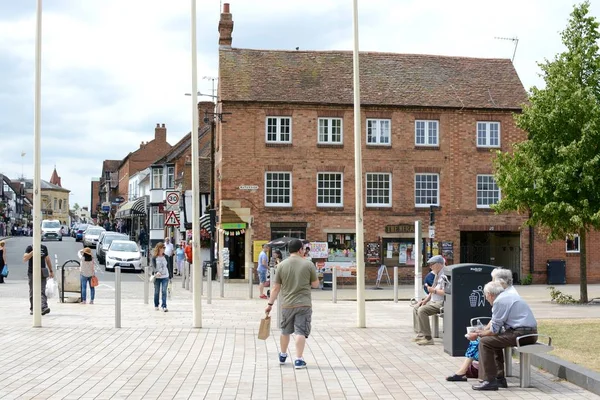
400, 228
232, 225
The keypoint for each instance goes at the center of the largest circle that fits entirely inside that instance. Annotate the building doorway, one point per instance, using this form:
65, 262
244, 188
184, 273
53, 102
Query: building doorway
502, 249
235, 242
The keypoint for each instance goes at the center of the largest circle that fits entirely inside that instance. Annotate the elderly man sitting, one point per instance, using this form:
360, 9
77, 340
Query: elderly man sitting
432, 304
511, 318
504, 276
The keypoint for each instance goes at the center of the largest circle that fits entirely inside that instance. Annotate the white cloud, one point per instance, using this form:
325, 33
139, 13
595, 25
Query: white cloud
112, 68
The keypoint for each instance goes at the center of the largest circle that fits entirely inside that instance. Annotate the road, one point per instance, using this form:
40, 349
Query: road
61, 251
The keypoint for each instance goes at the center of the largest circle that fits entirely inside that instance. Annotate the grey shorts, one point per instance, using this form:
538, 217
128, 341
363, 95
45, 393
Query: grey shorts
296, 320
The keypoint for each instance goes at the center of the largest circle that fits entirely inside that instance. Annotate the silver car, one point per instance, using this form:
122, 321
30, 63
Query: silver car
91, 235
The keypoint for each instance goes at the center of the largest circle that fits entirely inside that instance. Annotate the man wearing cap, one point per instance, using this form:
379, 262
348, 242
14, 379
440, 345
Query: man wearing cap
295, 277
432, 303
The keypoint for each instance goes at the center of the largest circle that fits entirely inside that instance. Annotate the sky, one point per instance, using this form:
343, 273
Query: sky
113, 69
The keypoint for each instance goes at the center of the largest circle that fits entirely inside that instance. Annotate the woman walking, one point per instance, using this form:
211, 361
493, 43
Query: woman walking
161, 275
86, 263
2, 259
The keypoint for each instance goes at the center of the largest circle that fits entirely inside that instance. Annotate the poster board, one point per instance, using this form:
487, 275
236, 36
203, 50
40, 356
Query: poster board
257, 248
319, 249
372, 252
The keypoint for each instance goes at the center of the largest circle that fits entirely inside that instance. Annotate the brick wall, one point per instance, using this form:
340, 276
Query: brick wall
556, 250
243, 158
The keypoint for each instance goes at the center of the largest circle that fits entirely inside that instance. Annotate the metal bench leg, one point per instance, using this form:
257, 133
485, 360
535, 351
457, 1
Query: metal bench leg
435, 326
508, 362
525, 369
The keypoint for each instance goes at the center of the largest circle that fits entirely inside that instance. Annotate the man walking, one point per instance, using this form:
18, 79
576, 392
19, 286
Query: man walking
432, 304
294, 278
263, 267
46, 272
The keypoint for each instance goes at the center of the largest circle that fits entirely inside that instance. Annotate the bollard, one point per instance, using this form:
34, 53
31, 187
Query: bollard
209, 285
395, 284
117, 297
222, 280
271, 278
202, 282
186, 276
146, 284
334, 284
250, 282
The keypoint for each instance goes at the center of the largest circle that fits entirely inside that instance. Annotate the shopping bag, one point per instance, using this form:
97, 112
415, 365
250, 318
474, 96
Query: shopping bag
265, 328
5, 271
94, 281
50, 288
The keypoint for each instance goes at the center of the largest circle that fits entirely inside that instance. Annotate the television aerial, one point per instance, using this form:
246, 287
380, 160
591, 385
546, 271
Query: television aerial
515, 40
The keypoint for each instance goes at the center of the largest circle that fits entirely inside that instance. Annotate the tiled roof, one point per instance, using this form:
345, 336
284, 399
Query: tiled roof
110, 165
325, 77
185, 144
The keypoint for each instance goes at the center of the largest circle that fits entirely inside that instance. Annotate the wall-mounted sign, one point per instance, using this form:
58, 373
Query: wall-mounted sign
400, 228
248, 187
233, 225
119, 199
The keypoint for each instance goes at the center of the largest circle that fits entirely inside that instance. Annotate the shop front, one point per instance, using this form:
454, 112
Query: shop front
133, 216
234, 236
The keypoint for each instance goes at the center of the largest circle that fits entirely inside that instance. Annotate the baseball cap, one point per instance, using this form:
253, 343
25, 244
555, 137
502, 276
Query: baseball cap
436, 259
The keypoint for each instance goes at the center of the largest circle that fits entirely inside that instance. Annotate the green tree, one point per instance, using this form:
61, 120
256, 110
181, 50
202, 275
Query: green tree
76, 207
554, 175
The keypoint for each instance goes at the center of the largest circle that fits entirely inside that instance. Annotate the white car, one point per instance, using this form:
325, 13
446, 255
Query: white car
125, 254
91, 236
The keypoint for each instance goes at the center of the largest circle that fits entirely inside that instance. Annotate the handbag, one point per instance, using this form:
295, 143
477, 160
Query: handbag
94, 281
45, 273
264, 330
152, 277
5, 271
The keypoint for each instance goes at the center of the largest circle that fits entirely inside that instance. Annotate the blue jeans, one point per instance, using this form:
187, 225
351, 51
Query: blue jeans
164, 282
85, 280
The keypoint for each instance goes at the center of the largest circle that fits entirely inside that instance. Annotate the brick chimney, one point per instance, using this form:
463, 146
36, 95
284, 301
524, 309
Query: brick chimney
203, 108
160, 133
225, 27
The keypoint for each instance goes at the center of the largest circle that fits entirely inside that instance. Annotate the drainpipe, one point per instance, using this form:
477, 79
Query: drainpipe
531, 248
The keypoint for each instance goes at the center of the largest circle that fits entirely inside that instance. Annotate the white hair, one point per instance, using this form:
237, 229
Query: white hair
502, 275
493, 288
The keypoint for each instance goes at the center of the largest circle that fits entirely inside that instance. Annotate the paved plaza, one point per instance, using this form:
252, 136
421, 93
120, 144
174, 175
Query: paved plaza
78, 354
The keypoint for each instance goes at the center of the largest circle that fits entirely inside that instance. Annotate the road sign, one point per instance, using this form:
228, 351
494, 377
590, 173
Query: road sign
172, 201
171, 218
432, 232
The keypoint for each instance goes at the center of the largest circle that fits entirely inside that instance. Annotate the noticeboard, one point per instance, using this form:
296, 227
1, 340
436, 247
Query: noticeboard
372, 252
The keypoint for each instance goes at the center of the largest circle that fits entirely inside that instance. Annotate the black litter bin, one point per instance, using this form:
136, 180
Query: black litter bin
213, 272
557, 272
464, 300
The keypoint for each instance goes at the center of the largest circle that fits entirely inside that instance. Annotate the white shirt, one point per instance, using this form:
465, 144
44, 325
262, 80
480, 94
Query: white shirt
168, 249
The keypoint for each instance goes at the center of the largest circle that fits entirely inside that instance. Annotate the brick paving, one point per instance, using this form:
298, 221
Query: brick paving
78, 354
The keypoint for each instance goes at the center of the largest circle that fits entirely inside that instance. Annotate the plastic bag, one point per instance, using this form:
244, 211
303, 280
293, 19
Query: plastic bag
51, 288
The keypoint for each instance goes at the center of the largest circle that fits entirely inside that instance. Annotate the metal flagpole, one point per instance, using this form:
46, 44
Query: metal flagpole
37, 193
197, 273
360, 253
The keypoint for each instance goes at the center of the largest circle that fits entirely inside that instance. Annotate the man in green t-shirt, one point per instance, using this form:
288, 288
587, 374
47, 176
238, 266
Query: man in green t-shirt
294, 278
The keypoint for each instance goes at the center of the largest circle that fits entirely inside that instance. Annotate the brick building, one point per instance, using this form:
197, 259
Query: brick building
430, 125
142, 158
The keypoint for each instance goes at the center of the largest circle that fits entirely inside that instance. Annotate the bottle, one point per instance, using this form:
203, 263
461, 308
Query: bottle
479, 325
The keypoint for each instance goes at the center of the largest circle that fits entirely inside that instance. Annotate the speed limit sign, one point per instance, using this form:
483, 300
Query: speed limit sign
172, 201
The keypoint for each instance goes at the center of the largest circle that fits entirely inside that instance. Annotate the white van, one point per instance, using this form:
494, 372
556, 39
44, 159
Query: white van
51, 230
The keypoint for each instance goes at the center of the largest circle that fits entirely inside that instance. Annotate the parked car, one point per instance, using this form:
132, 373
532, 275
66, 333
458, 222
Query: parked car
91, 236
51, 230
80, 231
125, 254
104, 242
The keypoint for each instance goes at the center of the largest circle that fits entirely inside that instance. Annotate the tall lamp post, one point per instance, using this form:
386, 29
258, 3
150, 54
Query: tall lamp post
37, 192
360, 243
197, 273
